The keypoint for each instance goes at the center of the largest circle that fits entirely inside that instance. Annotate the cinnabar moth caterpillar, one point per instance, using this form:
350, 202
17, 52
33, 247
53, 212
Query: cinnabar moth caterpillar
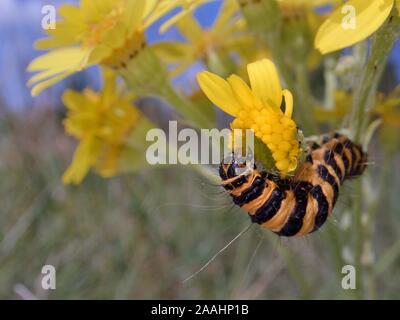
299, 205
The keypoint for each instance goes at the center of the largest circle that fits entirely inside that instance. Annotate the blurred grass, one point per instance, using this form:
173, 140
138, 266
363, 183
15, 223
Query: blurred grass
139, 236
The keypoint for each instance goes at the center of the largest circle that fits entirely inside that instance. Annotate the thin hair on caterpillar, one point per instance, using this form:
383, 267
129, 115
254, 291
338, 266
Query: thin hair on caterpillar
215, 256
252, 259
298, 205
200, 207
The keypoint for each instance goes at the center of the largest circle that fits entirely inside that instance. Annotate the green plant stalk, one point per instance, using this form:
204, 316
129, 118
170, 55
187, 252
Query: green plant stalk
371, 74
330, 83
146, 75
371, 214
363, 100
305, 291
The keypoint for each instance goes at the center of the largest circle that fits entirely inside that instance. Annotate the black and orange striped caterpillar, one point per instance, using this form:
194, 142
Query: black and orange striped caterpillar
299, 205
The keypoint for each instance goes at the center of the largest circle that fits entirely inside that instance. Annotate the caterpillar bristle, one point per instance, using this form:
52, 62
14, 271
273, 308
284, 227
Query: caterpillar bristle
298, 205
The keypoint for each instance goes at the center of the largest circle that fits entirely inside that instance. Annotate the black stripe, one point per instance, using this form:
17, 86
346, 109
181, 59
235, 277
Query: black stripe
231, 172
253, 192
269, 208
360, 165
326, 139
309, 159
329, 158
323, 207
295, 221
222, 172
353, 162
315, 146
346, 163
324, 174
228, 187
239, 181
349, 146
339, 149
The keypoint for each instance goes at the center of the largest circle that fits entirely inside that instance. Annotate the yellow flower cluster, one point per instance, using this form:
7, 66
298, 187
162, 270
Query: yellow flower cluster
96, 32
102, 122
277, 131
265, 108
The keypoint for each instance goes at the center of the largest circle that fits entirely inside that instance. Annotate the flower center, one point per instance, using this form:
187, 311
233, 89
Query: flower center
120, 57
277, 131
96, 31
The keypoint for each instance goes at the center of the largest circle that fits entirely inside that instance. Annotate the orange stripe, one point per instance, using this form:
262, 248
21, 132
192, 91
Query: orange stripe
309, 218
279, 220
245, 186
254, 205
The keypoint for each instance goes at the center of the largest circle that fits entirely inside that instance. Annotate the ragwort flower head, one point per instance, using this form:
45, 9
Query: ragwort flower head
106, 31
259, 108
226, 35
101, 122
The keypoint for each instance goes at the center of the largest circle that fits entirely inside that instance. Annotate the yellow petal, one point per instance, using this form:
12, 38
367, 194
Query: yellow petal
48, 83
169, 23
157, 9
241, 91
172, 52
219, 92
133, 14
84, 157
226, 13
288, 103
265, 82
55, 66
73, 100
190, 28
48, 43
337, 32
68, 57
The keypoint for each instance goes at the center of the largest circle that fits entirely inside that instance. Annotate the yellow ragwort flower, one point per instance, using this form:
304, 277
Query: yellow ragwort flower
225, 36
102, 122
95, 32
337, 33
258, 108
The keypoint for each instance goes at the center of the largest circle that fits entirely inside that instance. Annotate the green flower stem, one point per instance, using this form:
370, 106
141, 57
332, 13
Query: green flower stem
363, 100
306, 292
371, 74
330, 83
358, 238
219, 63
146, 75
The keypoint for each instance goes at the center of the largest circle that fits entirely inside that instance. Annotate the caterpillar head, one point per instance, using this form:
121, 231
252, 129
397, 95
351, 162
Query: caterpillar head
232, 167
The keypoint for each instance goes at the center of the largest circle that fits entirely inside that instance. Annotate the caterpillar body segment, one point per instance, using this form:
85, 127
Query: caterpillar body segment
299, 205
